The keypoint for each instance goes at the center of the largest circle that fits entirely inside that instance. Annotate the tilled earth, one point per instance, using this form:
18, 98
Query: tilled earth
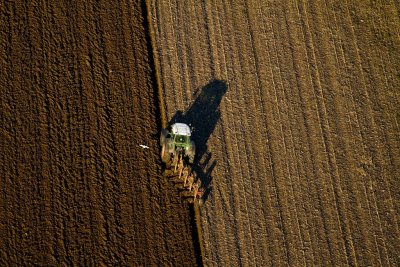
77, 101
295, 106
296, 112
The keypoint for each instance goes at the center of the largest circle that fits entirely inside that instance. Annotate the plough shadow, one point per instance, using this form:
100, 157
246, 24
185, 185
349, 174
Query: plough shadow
203, 115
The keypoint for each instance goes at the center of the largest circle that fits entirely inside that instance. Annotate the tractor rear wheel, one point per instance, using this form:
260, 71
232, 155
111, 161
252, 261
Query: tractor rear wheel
191, 152
163, 136
165, 156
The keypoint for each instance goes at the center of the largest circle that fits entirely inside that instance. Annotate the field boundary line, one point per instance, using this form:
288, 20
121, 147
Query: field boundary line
153, 55
154, 62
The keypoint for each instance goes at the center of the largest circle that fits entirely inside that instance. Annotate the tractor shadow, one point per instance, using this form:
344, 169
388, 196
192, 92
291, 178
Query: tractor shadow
203, 115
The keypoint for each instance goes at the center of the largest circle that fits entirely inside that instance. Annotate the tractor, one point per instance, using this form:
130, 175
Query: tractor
177, 145
177, 152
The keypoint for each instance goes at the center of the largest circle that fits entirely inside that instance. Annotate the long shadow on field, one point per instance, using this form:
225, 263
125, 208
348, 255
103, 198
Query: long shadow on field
203, 115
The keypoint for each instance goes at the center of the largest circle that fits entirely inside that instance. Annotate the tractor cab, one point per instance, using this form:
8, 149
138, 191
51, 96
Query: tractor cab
176, 140
181, 139
180, 133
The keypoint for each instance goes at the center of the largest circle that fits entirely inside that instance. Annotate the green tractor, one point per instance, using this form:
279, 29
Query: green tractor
176, 144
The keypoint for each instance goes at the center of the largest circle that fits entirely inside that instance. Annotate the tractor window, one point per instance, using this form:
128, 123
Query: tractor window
180, 139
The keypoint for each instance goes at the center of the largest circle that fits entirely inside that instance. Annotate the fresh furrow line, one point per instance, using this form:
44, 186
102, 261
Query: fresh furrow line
196, 233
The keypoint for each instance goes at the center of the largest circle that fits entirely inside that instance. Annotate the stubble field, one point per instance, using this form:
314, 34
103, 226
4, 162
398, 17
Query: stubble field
299, 128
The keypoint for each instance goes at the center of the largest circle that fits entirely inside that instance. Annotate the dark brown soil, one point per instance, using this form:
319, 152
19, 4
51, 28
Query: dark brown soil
77, 101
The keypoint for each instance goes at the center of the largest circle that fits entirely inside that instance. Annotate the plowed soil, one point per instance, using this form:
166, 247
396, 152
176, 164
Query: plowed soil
77, 101
298, 126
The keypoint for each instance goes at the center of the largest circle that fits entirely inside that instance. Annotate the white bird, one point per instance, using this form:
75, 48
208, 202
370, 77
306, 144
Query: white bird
144, 146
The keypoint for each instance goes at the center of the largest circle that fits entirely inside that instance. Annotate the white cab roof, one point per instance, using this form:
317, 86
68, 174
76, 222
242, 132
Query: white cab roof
181, 129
